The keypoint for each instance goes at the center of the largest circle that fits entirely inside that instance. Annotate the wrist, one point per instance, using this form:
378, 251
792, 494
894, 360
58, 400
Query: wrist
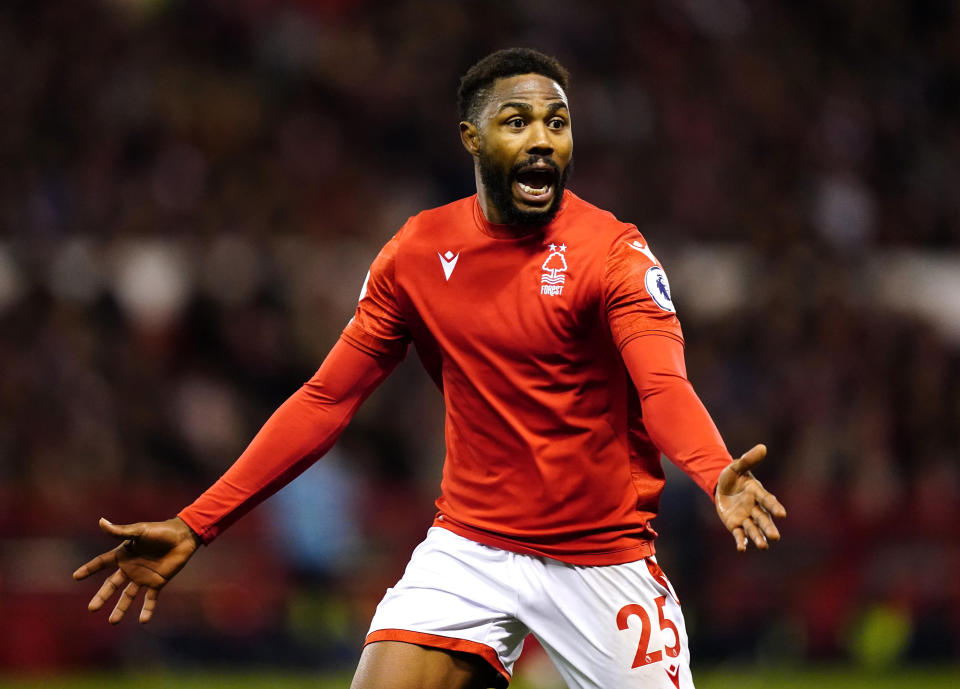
188, 532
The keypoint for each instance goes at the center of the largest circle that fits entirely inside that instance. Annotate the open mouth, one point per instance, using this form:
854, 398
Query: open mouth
535, 184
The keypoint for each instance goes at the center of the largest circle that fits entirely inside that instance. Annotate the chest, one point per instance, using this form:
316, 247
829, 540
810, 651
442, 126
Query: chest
536, 300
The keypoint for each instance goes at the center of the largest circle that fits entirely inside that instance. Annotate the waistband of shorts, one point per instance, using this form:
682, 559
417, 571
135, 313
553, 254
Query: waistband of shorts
643, 548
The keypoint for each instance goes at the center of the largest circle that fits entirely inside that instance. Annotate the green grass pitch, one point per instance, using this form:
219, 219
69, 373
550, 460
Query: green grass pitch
747, 678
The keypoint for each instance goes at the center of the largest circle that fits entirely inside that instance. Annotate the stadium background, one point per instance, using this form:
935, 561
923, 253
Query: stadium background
190, 195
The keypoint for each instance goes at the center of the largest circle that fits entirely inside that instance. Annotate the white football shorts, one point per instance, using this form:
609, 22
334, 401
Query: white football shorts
604, 627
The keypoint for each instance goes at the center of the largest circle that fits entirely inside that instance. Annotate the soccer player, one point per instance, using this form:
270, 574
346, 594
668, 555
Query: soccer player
550, 327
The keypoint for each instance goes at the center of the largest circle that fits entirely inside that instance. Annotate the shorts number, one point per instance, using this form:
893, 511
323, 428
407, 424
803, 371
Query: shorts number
644, 655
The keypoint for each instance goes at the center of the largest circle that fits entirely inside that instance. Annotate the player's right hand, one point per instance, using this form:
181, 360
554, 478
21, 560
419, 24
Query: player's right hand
150, 555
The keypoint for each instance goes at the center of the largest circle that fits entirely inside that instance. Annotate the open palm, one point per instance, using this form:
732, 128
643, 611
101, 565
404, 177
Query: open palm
745, 507
150, 555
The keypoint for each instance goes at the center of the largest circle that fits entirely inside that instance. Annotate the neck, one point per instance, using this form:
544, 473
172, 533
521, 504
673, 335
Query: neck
490, 211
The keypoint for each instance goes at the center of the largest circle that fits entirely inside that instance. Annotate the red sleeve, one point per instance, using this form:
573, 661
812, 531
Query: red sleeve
301, 430
673, 415
636, 292
378, 326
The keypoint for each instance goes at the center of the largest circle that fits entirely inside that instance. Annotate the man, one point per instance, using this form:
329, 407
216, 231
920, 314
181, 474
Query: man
550, 327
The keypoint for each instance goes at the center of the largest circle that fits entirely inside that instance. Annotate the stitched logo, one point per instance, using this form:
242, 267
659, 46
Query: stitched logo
554, 268
673, 672
643, 249
655, 280
449, 262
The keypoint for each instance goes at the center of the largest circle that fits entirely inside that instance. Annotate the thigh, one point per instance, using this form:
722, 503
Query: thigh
611, 626
399, 665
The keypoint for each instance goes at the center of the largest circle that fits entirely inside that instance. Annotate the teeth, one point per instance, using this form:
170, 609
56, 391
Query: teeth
535, 191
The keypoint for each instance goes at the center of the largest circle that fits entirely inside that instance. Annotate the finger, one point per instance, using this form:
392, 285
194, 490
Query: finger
771, 504
126, 598
149, 605
765, 522
740, 539
122, 530
96, 564
749, 459
755, 534
109, 587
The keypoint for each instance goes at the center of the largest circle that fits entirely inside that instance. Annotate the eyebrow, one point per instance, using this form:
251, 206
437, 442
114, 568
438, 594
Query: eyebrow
526, 107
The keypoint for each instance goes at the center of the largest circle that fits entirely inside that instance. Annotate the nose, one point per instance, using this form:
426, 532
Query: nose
538, 139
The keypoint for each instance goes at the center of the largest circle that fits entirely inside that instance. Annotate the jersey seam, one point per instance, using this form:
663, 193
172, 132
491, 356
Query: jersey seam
648, 332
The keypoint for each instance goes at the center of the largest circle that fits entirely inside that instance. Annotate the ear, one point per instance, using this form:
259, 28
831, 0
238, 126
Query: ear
470, 137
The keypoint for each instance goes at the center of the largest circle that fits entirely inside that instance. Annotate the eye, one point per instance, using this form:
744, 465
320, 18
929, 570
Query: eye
557, 123
516, 122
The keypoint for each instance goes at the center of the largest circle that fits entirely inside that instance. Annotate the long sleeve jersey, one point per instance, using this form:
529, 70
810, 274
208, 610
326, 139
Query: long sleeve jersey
560, 359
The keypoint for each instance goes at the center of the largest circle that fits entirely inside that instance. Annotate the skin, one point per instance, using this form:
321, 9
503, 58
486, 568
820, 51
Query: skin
149, 556
523, 116
423, 668
744, 506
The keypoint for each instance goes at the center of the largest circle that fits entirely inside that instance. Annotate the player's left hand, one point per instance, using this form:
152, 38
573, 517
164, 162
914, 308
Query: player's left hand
744, 506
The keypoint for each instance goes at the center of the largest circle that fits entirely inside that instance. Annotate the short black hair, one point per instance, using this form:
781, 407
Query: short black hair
504, 63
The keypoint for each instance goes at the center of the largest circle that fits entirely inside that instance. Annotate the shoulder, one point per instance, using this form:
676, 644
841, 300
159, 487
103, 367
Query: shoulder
607, 231
424, 227
580, 209
436, 219
627, 258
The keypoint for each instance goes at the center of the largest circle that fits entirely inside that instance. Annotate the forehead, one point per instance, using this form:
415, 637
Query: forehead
523, 88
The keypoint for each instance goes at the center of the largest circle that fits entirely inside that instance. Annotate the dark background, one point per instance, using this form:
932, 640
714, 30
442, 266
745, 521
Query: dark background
190, 196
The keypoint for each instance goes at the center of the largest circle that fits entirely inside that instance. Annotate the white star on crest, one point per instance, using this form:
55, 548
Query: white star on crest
563, 247
553, 247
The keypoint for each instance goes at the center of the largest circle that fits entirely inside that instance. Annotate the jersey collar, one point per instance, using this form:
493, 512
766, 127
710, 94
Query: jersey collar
509, 232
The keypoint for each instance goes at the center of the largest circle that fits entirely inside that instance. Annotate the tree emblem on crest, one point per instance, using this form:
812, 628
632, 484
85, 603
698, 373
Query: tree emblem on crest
554, 266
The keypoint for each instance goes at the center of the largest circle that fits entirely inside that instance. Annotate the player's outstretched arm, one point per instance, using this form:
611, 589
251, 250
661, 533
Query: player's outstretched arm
300, 431
682, 429
149, 556
745, 507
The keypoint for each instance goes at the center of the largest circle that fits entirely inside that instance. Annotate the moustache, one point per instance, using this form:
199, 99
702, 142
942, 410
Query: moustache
535, 162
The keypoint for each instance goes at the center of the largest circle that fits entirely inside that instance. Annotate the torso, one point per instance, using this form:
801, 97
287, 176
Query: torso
544, 437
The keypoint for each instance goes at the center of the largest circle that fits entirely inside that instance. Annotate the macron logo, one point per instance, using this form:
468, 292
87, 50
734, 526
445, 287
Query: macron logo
643, 249
449, 262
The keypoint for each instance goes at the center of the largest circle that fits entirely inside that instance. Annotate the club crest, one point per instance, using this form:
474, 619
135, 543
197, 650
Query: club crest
554, 268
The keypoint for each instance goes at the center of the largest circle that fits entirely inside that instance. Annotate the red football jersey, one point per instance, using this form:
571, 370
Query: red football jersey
546, 449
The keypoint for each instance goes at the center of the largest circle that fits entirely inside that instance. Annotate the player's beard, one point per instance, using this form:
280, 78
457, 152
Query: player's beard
499, 186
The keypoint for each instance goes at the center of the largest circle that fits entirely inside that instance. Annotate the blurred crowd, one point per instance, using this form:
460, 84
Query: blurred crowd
190, 196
